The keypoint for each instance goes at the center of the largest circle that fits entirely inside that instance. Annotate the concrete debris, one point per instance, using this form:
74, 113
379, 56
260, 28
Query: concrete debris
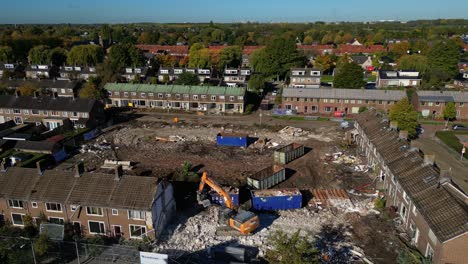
197, 233
111, 164
293, 131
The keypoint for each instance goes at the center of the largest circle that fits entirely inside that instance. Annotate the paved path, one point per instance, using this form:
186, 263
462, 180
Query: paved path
446, 158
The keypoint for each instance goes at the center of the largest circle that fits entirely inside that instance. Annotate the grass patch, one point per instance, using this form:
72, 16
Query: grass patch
450, 139
435, 122
327, 78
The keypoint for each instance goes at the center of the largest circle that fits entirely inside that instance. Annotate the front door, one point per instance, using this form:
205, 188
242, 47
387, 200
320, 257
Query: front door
117, 231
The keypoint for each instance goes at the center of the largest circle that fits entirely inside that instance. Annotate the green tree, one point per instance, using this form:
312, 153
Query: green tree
58, 56
400, 49
403, 112
277, 58
450, 112
6, 54
41, 245
443, 57
187, 78
85, 55
39, 55
199, 57
307, 40
416, 62
230, 57
349, 75
256, 83
126, 55
292, 249
91, 90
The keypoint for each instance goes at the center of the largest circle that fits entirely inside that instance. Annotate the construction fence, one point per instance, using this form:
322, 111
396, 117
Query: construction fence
25, 250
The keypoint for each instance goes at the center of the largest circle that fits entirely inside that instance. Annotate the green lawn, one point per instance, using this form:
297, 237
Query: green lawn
327, 78
450, 139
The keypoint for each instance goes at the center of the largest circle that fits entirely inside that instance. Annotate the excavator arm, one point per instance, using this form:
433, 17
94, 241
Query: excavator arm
205, 180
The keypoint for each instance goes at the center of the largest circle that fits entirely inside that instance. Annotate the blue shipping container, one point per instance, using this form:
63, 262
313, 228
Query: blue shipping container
281, 199
216, 199
235, 140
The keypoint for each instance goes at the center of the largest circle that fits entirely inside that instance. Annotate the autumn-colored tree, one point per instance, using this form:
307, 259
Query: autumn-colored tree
401, 48
324, 62
90, 90
28, 89
307, 40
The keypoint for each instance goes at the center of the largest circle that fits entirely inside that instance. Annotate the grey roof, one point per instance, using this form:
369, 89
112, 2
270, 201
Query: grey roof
335, 93
41, 83
91, 189
446, 215
359, 59
26, 145
47, 103
442, 96
82, 69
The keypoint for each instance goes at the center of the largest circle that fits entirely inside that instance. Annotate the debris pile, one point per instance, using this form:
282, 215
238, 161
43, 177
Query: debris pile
293, 131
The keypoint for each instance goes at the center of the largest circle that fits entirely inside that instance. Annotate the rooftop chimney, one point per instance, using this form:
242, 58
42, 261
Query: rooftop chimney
118, 172
429, 159
403, 135
79, 169
54, 95
39, 169
393, 125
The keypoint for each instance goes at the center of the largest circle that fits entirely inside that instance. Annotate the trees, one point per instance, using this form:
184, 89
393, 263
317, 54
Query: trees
349, 75
85, 55
277, 58
292, 249
450, 112
187, 78
230, 57
403, 112
58, 56
400, 48
122, 55
256, 82
28, 89
443, 57
199, 57
416, 62
324, 62
6, 54
39, 55
91, 90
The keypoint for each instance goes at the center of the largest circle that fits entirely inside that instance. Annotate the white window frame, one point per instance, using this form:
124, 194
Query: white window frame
60, 218
144, 216
195, 97
26, 111
99, 208
115, 211
94, 233
49, 210
22, 218
415, 212
138, 237
428, 249
213, 98
231, 98
34, 204
113, 230
11, 204
203, 96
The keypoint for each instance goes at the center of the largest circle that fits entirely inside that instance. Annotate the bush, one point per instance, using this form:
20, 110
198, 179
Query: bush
362, 109
249, 108
291, 249
379, 203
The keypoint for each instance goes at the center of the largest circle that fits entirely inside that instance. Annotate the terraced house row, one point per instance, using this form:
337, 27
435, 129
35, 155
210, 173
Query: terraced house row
114, 205
178, 97
330, 100
433, 212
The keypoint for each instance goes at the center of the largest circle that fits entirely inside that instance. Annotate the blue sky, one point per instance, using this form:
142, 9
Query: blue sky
124, 11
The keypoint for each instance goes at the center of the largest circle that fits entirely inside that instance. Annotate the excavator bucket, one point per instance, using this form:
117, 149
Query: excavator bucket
203, 199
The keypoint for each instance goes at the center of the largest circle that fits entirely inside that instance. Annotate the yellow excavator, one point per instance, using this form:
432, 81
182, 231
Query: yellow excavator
243, 221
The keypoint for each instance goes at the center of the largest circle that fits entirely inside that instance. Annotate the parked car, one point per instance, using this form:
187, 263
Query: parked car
459, 127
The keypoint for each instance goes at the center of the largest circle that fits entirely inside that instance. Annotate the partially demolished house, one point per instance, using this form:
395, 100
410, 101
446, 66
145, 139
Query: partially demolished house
433, 213
115, 205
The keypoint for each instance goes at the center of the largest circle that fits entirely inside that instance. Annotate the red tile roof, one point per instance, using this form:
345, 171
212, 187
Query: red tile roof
248, 50
359, 49
172, 50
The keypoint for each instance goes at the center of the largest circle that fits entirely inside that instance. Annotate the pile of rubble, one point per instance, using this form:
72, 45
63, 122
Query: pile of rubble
197, 233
